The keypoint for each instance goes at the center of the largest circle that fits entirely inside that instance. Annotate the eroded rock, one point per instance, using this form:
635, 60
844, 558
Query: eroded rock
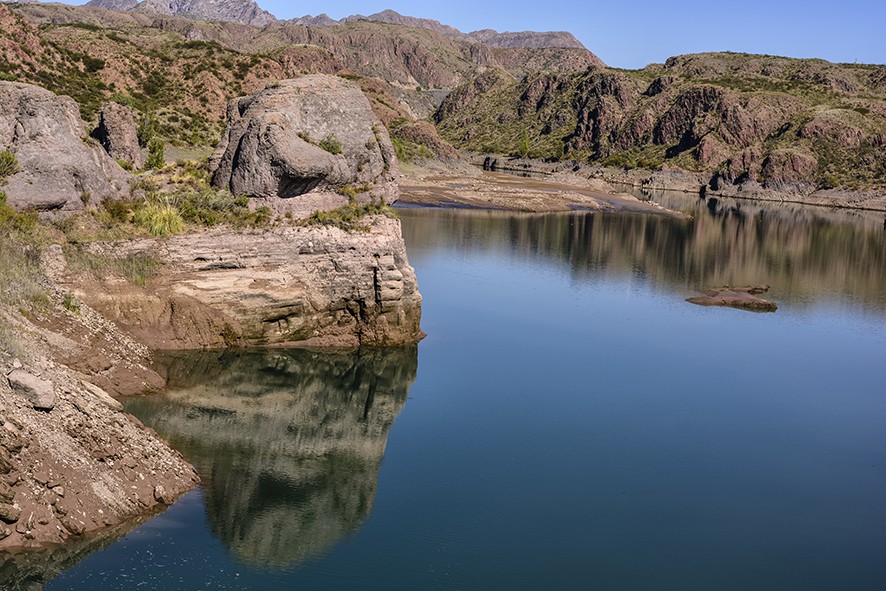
57, 170
295, 144
118, 134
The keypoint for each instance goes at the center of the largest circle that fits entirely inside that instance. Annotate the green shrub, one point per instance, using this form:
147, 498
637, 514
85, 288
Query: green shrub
147, 129
160, 219
71, 304
350, 217
156, 155
8, 164
331, 144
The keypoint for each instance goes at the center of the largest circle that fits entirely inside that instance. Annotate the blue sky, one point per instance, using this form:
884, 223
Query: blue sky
633, 34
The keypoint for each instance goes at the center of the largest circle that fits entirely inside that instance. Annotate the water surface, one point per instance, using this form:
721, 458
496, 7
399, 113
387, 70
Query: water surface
569, 423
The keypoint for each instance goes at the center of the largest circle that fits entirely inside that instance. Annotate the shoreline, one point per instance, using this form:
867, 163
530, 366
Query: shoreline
684, 182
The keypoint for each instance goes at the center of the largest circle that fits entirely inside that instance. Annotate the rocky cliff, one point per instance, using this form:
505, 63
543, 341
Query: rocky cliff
317, 286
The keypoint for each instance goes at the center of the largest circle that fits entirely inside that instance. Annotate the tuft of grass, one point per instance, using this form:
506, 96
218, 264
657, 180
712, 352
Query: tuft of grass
160, 219
331, 144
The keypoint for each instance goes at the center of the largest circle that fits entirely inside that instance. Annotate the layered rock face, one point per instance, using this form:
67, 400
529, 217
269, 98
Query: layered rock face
294, 144
58, 170
317, 286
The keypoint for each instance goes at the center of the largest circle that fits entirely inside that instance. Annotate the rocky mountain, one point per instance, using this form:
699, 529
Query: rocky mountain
527, 39
238, 11
749, 120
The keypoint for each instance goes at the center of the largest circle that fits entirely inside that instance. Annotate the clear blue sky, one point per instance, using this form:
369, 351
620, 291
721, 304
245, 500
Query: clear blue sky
633, 34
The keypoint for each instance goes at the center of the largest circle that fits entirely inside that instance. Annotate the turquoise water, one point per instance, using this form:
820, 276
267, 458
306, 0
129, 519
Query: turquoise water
569, 423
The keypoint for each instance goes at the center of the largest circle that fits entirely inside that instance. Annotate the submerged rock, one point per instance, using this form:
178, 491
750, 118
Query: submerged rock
57, 169
296, 144
743, 298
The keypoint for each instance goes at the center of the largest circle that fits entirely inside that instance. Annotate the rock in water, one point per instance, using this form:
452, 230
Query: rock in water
295, 144
743, 298
57, 170
39, 392
118, 134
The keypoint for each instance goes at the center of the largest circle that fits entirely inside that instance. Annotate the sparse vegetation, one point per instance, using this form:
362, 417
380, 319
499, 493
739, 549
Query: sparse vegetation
350, 217
8, 165
136, 268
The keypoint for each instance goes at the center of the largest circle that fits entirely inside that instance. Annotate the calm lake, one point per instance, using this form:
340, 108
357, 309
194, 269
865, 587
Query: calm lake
569, 423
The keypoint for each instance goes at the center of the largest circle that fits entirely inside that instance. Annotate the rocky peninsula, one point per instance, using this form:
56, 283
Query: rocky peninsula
309, 256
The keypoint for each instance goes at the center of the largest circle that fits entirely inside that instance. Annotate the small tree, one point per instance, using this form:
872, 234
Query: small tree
147, 129
156, 155
524, 144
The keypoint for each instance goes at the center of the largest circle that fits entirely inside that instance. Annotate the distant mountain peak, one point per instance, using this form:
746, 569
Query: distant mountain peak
394, 17
528, 39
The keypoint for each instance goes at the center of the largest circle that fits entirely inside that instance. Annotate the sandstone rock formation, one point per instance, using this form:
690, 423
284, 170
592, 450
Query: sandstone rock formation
58, 170
317, 286
118, 135
294, 144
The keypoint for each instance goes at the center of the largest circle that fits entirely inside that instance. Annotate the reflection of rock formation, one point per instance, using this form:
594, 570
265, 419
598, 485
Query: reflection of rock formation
289, 442
804, 253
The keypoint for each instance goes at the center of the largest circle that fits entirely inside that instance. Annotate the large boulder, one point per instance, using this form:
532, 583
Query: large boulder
300, 144
118, 134
57, 169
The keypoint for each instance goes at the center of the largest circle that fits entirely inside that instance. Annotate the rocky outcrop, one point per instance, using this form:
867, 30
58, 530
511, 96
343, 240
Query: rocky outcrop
70, 464
58, 171
316, 286
118, 135
295, 144
743, 298
393, 17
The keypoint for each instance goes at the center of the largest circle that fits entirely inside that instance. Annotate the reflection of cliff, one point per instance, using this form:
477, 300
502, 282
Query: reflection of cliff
802, 252
289, 442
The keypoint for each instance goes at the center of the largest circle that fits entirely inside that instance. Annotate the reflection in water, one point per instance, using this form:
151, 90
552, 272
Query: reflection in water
289, 443
804, 253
